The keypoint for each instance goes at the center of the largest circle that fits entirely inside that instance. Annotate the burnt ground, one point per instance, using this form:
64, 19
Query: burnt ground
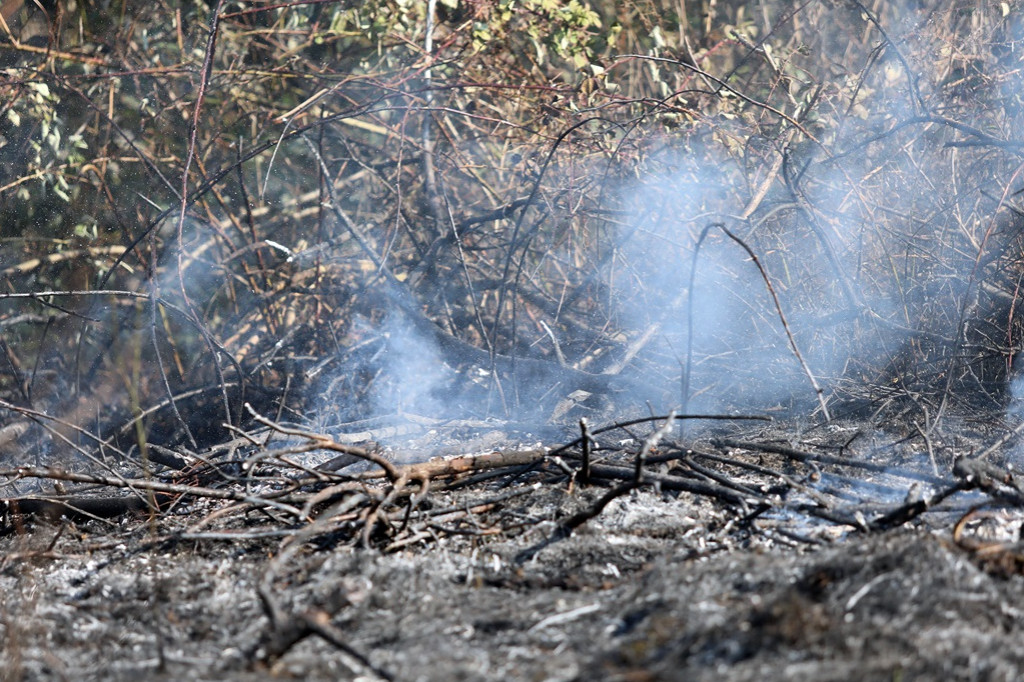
849, 560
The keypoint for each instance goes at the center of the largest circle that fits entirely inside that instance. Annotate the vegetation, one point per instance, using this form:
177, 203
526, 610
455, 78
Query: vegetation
210, 204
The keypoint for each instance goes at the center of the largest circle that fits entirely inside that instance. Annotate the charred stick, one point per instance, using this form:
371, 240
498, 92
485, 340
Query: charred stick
567, 526
397, 488
837, 516
144, 485
1006, 438
719, 478
893, 518
785, 478
642, 420
78, 508
668, 482
319, 623
911, 510
585, 447
802, 456
649, 444
470, 507
512, 472
997, 482
285, 631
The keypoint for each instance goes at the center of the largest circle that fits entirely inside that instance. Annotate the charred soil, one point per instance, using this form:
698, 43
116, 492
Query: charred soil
827, 567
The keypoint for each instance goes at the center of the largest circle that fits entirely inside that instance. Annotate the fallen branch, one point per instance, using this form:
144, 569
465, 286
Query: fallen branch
802, 456
462, 464
138, 485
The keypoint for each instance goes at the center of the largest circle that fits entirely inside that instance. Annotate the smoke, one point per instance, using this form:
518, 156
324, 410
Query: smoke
714, 316
875, 236
416, 376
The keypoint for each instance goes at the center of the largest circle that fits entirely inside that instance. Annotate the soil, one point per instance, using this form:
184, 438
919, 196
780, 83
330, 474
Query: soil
661, 585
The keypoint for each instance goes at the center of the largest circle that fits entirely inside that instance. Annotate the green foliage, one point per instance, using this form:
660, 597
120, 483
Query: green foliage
34, 126
564, 29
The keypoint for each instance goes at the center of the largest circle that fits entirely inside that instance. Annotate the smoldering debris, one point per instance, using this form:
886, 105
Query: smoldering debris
827, 564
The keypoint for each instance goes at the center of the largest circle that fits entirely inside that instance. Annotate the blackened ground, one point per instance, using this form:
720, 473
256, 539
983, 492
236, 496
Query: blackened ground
659, 586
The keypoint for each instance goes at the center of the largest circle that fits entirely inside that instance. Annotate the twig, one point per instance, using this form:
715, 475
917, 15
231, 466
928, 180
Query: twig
911, 510
430, 180
803, 456
585, 447
319, 622
684, 389
782, 317
788, 480
566, 527
1006, 438
454, 466
55, 474
193, 143
687, 485
650, 443
641, 420
325, 442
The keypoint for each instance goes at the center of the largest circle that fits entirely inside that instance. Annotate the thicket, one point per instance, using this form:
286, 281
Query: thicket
207, 204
